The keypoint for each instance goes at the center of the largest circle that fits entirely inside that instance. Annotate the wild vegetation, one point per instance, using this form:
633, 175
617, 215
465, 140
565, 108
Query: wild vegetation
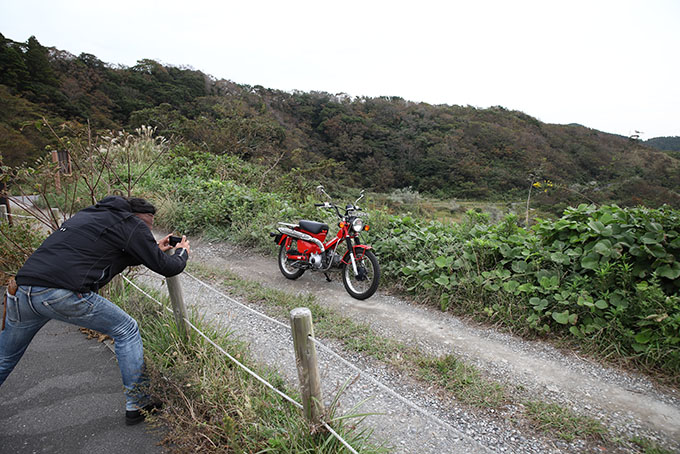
605, 278
213, 406
236, 159
382, 143
664, 143
450, 375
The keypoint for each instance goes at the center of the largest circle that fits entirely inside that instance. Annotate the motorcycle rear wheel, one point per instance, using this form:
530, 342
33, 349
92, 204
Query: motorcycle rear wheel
364, 285
288, 271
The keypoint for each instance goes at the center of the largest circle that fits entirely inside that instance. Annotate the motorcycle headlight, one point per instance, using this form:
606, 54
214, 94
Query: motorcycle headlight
358, 225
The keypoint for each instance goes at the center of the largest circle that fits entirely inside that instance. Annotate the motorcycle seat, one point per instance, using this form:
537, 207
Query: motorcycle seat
313, 227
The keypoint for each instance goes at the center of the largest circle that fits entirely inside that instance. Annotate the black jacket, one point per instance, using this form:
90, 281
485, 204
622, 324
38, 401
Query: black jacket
93, 246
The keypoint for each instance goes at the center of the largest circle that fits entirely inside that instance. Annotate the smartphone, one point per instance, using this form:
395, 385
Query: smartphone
173, 240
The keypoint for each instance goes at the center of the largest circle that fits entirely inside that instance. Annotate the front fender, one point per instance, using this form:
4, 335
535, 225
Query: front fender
359, 252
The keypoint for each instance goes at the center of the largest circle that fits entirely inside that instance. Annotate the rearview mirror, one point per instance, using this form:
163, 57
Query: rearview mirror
321, 191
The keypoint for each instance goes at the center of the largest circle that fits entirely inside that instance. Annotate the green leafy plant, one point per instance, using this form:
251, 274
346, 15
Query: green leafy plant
606, 277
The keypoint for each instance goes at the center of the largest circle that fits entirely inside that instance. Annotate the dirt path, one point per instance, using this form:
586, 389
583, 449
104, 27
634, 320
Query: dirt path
628, 402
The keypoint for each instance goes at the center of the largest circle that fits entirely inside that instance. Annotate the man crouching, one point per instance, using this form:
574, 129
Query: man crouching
60, 280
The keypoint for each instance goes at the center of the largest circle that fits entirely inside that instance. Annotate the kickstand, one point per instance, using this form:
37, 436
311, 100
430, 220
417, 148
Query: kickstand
328, 279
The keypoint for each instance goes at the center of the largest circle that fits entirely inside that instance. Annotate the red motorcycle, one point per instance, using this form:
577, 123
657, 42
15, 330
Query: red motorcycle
303, 247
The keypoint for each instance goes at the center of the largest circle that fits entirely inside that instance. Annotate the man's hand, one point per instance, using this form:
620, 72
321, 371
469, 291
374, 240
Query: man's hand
184, 244
164, 243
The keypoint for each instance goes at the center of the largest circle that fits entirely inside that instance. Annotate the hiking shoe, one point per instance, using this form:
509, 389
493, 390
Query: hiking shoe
136, 416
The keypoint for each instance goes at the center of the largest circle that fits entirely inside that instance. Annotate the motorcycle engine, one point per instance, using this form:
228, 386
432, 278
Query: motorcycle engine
337, 260
315, 260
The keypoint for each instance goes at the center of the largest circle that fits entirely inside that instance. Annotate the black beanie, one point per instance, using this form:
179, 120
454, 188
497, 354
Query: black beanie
138, 205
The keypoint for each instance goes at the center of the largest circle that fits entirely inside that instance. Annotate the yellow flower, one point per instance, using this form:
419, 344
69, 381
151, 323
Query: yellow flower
537, 184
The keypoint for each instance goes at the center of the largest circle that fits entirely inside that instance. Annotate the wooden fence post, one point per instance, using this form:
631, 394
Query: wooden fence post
307, 366
113, 288
117, 285
57, 176
3, 213
177, 300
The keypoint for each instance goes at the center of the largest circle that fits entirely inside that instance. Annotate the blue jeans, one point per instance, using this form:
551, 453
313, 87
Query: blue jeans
32, 307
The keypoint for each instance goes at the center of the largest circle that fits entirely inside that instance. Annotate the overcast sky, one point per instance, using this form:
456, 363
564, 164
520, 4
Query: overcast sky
609, 65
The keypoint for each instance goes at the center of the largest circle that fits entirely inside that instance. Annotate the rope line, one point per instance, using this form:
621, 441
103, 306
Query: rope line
20, 216
241, 365
368, 376
335, 434
244, 367
384, 387
256, 312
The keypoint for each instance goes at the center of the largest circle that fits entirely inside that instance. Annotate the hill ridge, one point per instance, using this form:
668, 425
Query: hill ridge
382, 143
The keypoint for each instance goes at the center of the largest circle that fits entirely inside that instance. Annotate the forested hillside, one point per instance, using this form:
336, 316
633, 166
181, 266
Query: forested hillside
378, 143
664, 143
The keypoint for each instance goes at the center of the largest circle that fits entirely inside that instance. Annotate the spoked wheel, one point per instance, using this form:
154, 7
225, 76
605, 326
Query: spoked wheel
365, 283
285, 265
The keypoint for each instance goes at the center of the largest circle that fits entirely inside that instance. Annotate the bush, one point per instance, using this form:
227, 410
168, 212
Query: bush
17, 244
607, 277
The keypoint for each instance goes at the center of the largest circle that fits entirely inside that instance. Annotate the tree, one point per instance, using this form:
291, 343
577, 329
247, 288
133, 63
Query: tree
14, 71
38, 64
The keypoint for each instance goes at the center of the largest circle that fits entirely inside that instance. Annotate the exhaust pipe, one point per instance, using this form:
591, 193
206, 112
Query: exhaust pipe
301, 236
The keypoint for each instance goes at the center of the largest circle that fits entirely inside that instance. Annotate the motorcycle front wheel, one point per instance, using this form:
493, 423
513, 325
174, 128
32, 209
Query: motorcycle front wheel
285, 265
364, 284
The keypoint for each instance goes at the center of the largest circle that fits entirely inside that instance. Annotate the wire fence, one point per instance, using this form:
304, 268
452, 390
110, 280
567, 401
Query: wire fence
36, 216
12, 215
237, 362
320, 344
333, 353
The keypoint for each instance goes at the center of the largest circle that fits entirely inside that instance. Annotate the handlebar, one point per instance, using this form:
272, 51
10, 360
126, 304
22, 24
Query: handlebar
330, 205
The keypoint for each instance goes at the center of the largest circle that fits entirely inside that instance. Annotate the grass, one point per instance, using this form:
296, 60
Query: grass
463, 381
213, 406
562, 422
649, 447
327, 323
443, 210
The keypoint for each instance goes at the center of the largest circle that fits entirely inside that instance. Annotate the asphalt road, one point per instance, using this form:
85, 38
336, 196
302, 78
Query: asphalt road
65, 397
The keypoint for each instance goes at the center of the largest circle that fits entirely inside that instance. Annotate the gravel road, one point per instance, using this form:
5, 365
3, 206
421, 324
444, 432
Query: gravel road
411, 418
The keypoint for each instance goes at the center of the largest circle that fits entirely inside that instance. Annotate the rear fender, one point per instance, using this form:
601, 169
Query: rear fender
279, 237
290, 245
